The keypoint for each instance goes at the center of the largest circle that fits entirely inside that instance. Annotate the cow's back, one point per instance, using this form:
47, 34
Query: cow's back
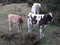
14, 18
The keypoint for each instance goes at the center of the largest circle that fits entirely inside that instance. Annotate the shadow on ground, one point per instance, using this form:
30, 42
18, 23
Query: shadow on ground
22, 38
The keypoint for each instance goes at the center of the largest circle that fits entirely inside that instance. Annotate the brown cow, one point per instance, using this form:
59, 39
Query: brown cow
12, 18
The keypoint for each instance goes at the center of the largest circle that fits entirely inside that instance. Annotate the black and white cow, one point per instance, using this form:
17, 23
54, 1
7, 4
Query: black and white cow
40, 20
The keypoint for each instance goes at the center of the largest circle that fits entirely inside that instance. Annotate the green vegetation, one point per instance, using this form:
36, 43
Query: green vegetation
47, 5
24, 10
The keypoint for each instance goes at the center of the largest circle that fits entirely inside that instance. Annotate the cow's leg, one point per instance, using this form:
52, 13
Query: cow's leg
18, 27
21, 27
44, 26
41, 32
10, 25
29, 28
29, 25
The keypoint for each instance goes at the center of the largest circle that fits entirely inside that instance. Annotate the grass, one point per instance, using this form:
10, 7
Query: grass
24, 10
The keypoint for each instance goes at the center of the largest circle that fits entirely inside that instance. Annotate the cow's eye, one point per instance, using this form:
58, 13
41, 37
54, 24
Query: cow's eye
28, 17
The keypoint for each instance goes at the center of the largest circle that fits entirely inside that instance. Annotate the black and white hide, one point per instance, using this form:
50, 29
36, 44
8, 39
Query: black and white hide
40, 20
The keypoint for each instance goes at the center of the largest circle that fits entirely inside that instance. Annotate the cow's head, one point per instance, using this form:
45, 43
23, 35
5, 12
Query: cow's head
49, 17
34, 21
